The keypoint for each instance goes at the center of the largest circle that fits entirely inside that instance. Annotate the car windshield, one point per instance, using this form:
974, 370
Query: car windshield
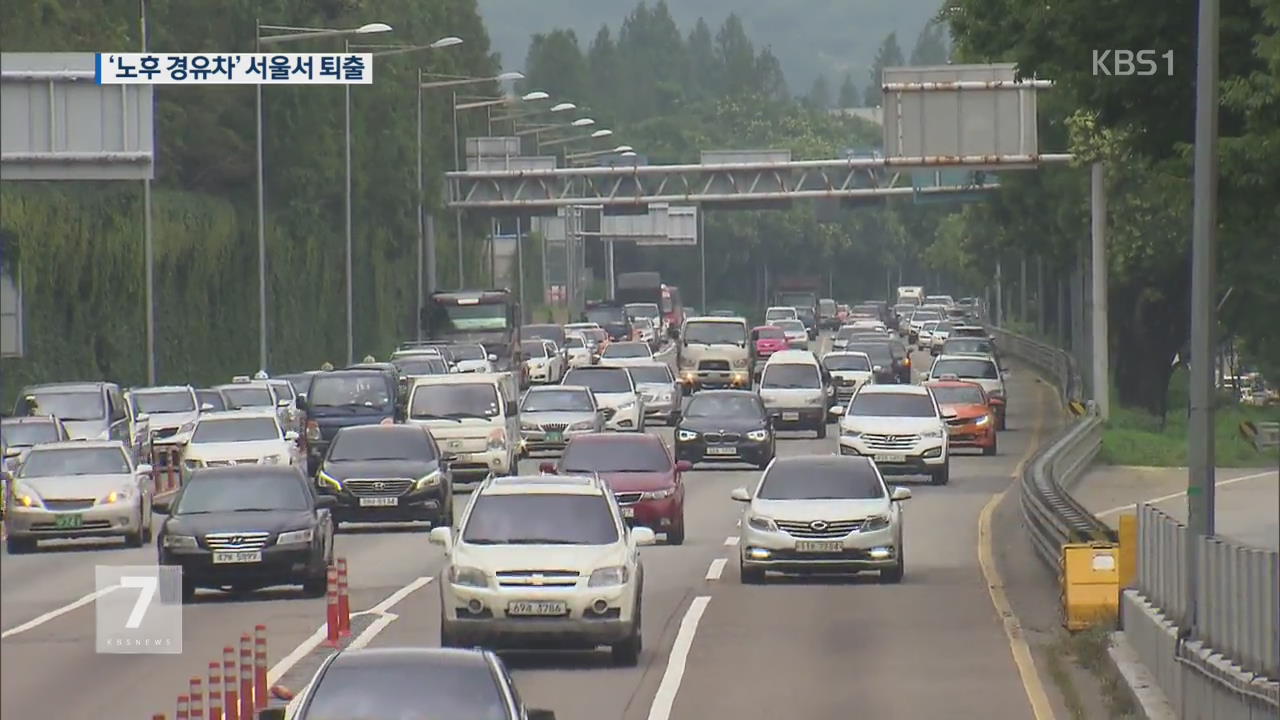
558, 400
790, 376
976, 368
540, 519
70, 406
164, 402
404, 442
553, 333
245, 397
75, 461
847, 362
922, 316
606, 315
24, 434
849, 331
422, 366
715, 333
879, 353
644, 310
652, 374
726, 406
284, 389
958, 395
215, 430
574, 342
609, 456
821, 480
942, 327
350, 390
891, 405
626, 350
486, 316
533, 348
971, 332
467, 352
213, 398
236, 492
805, 314
780, 313
794, 326
474, 400
827, 306
439, 691
611, 380
771, 333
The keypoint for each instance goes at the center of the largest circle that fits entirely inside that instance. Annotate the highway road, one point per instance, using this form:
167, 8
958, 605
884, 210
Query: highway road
931, 647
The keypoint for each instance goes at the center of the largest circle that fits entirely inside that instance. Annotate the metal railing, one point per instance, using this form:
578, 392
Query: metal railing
1238, 597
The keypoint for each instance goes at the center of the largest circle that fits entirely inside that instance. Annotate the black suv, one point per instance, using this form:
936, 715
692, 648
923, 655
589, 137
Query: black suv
342, 398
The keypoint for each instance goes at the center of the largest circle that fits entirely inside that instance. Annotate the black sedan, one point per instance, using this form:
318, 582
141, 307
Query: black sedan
247, 527
725, 426
387, 472
402, 682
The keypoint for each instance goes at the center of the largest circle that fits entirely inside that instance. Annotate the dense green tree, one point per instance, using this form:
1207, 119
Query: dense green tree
556, 66
602, 64
849, 93
820, 94
889, 55
931, 45
736, 58
704, 72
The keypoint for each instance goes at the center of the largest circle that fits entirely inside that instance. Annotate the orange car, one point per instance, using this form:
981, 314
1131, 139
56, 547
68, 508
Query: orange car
974, 424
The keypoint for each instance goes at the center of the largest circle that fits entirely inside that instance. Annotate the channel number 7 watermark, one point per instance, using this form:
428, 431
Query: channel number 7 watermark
138, 609
1130, 63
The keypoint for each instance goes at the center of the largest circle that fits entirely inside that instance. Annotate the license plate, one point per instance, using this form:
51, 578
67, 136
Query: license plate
68, 521
379, 501
628, 512
819, 546
537, 608
722, 451
243, 556
891, 458
790, 416
555, 437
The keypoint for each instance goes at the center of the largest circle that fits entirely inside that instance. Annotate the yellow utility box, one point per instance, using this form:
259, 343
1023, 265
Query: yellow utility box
1090, 584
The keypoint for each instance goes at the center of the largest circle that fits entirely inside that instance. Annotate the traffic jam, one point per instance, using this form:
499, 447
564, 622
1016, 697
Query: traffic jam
519, 447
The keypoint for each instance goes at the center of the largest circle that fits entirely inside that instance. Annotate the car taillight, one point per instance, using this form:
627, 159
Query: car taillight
313, 430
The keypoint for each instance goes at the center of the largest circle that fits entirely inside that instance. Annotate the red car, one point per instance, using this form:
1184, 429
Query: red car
639, 469
765, 341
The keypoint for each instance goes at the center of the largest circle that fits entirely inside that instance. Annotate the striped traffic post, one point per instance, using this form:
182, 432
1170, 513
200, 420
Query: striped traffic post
230, 698
246, 676
259, 666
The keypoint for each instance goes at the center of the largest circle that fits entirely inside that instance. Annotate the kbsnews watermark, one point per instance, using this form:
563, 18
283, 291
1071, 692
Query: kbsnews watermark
138, 609
1131, 63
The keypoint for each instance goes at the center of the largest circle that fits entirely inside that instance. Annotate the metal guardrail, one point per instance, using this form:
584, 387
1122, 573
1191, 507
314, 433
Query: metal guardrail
1238, 598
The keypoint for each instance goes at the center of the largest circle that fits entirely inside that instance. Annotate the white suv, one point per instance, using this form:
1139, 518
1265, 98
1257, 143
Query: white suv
821, 513
543, 558
900, 427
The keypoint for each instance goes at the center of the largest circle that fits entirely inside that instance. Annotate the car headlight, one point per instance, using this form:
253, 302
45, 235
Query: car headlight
658, 494
875, 522
740, 363
626, 405
928, 434
529, 426
584, 425
497, 439
760, 522
467, 577
850, 433
758, 435
686, 435
116, 496
186, 428
272, 459
430, 480
25, 496
324, 478
982, 420
192, 463
180, 542
999, 394
295, 537
605, 577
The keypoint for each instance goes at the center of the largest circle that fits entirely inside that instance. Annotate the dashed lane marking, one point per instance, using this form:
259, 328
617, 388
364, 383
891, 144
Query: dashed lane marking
57, 612
665, 698
731, 541
717, 568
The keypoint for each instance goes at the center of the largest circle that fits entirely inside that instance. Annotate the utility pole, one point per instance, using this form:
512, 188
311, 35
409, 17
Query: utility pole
1099, 346
999, 295
1200, 476
148, 241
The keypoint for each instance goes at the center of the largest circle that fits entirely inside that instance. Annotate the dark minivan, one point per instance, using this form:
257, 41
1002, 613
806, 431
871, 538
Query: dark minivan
343, 398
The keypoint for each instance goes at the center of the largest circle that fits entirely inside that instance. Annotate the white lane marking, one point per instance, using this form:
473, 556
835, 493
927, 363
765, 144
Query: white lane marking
375, 627
665, 698
1170, 496
737, 523
286, 663
717, 568
57, 612
731, 541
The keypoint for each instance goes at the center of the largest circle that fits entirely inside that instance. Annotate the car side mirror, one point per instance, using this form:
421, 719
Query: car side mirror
535, 714
442, 536
899, 494
1006, 374
643, 536
206, 406
291, 435
272, 713
838, 410
492, 358
12, 452
282, 403
143, 469
547, 468
324, 502
740, 495
143, 417
683, 466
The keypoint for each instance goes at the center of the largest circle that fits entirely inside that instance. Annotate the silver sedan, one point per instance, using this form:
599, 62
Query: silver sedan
661, 391
551, 414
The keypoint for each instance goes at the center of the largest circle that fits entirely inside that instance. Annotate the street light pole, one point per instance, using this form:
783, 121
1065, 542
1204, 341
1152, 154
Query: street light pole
148, 240
346, 89
262, 222
457, 213
422, 233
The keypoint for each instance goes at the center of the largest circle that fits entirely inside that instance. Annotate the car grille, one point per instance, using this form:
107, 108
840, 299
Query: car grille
538, 578
844, 394
890, 442
627, 498
229, 463
719, 365
236, 540
554, 427
68, 504
825, 528
165, 432
956, 422
716, 438
381, 487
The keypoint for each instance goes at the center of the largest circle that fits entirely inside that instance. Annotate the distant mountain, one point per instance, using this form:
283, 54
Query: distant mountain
810, 37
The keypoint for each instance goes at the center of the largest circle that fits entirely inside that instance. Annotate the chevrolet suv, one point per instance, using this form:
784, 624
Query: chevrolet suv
543, 559
900, 427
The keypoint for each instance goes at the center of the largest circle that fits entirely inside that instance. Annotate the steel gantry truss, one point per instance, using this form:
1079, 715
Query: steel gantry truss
706, 184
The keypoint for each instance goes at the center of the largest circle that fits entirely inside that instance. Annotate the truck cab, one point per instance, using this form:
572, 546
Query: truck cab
490, 318
714, 352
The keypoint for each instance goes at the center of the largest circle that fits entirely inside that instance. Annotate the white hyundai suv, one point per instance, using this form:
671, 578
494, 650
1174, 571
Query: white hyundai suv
821, 513
544, 558
900, 427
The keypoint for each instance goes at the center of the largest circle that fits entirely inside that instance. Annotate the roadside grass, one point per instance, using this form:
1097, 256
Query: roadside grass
1087, 650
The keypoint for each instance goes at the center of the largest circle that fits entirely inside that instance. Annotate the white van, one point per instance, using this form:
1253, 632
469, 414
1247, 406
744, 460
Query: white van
795, 390
475, 419
911, 294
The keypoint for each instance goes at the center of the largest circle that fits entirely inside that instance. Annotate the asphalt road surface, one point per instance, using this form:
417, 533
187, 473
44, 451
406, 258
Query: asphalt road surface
931, 647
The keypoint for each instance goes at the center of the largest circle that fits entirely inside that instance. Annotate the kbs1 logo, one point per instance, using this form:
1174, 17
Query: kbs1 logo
1131, 63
